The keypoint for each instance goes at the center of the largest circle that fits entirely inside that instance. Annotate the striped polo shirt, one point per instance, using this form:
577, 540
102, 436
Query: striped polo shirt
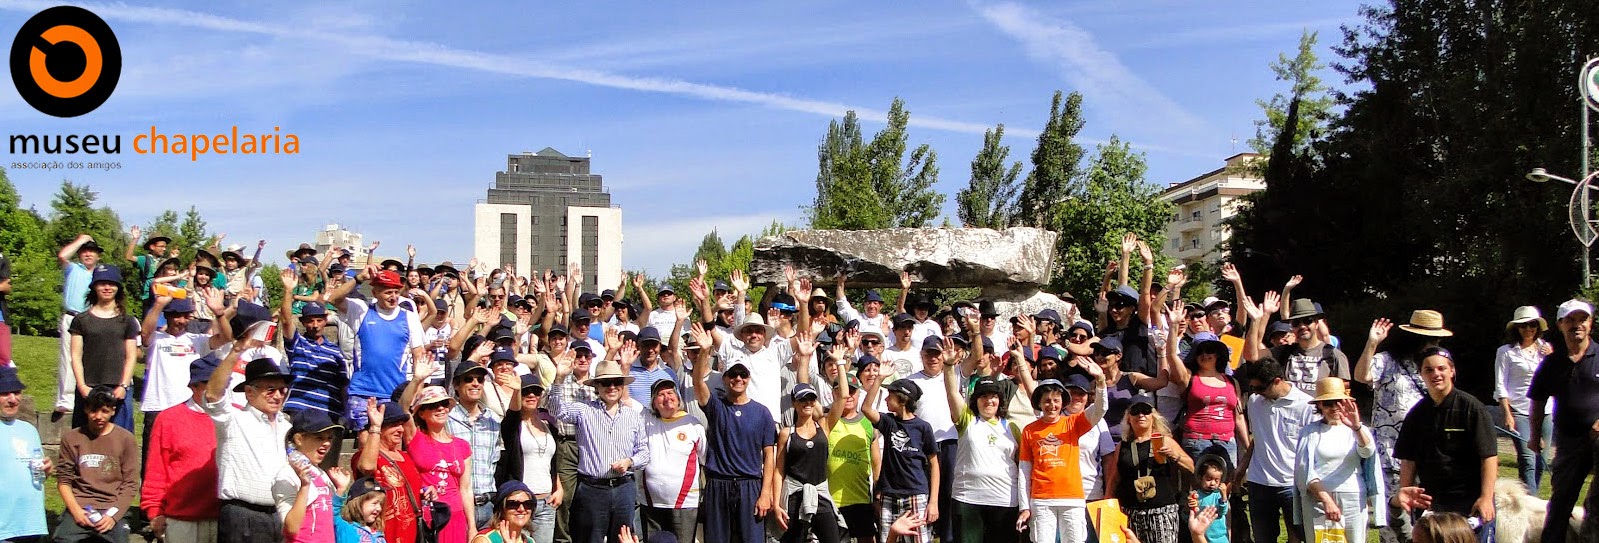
319, 376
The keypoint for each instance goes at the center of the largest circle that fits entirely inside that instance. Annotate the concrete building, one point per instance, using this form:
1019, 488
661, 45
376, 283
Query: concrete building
545, 211
1196, 231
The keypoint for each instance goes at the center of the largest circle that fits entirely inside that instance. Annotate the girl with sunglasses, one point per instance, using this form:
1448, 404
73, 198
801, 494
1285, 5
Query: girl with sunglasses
445, 462
529, 438
1514, 364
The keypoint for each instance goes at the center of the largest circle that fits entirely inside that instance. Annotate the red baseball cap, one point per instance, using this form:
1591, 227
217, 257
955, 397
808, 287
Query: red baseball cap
387, 278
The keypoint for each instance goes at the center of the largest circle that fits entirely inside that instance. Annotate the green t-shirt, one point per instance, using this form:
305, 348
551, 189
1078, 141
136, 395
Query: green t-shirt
849, 461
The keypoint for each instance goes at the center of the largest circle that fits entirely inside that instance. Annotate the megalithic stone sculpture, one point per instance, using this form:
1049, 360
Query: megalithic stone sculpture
1010, 265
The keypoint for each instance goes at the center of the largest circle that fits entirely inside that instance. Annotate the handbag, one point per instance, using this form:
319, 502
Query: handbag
1144, 485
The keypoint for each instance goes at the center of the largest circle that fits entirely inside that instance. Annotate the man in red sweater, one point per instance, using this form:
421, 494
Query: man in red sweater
180, 480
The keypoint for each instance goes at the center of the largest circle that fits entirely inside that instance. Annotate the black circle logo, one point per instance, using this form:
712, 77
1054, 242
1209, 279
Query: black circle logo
65, 61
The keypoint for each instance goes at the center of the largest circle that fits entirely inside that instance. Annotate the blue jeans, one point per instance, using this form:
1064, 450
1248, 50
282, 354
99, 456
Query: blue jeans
1529, 464
1195, 447
599, 512
1267, 505
542, 525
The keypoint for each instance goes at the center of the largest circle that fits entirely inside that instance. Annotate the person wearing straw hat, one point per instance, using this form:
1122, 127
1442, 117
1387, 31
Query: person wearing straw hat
1449, 458
1514, 365
155, 250
1309, 358
1335, 468
611, 445
1398, 368
765, 354
1568, 378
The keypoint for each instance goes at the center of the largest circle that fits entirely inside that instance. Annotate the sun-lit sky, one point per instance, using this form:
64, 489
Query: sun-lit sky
700, 115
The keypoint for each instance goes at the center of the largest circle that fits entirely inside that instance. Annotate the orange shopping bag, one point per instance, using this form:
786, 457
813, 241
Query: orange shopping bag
1108, 520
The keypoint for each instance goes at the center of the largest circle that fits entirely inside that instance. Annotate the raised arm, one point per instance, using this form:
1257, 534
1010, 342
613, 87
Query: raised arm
339, 293
1129, 243
64, 257
133, 241
840, 356
904, 291
1146, 304
1174, 364
801, 290
1257, 324
1231, 274
952, 391
217, 387
869, 399
1288, 289
1379, 332
702, 362
153, 318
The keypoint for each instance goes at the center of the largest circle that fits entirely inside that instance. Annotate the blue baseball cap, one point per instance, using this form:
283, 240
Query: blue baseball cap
9, 381
873, 296
803, 391
1048, 315
502, 354
1111, 343
1126, 293
108, 274
179, 305
865, 360
933, 343
648, 333
313, 310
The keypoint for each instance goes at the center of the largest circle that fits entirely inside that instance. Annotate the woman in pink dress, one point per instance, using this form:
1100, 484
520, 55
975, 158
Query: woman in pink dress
444, 462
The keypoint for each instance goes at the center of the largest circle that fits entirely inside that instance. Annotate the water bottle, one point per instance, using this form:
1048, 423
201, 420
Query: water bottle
37, 466
94, 516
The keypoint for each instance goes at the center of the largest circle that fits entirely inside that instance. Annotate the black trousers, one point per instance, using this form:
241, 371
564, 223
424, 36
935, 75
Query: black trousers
239, 522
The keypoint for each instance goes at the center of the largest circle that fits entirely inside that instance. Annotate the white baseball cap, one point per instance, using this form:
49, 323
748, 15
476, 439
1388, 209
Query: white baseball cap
1573, 306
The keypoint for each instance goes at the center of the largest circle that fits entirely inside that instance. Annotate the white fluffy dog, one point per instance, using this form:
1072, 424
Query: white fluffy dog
1519, 516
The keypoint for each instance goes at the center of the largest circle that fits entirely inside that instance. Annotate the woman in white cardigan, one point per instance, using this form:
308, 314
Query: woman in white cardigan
1336, 468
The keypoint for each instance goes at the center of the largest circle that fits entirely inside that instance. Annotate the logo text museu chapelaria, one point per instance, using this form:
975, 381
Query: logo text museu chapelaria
65, 62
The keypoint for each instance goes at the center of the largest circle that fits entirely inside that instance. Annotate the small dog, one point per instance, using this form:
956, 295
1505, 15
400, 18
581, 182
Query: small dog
1519, 516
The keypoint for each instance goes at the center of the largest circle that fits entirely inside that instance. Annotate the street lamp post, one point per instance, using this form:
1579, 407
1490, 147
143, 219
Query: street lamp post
1583, 225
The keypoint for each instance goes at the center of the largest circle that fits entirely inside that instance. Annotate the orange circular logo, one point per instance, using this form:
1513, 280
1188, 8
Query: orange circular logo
65, 61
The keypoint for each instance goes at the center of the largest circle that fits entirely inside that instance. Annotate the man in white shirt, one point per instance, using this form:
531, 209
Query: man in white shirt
1277, 411
662, 318
934, 408
167, 365
765, 357
872, 319
250, 447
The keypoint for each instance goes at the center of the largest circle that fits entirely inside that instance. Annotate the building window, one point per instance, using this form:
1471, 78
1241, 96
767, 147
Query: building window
508, 239
535, 220
516, 168
1195, 215
537, 241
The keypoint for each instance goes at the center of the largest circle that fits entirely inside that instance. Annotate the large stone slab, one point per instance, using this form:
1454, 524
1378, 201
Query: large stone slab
1014, 258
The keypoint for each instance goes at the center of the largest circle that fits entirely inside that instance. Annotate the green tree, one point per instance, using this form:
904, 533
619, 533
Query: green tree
1415, 198
72, 212
1315, 104
33, 303
1057, 164
272, 278
192, 232
990, 196
1112, 199
862, 185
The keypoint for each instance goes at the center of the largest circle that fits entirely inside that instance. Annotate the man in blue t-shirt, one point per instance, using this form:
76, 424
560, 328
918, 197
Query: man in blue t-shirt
74, 299
23, 466
389, 338
740, 451
316, 362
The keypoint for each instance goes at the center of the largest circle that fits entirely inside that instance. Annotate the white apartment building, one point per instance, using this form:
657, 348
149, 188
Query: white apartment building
1196, 231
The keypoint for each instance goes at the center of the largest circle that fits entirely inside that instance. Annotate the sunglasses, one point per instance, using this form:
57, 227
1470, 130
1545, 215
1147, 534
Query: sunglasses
1140, 410
532, 393
274, 390
472, 379
608, 383
1121, 304
1306, 321
871, 342
737, 375
511, 505
1078, 337
436, 405
1330, 403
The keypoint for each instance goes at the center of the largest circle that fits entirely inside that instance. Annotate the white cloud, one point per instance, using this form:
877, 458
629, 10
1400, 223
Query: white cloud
442, 55
1096, 71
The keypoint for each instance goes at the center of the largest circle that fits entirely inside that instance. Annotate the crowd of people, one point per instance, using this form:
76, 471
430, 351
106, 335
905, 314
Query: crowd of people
495, 408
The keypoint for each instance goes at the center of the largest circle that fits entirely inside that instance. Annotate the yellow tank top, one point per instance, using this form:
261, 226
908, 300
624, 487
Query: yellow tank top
849, 461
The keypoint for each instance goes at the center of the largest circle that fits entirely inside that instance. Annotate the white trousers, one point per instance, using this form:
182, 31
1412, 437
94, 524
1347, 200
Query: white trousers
66, 382
1069, 521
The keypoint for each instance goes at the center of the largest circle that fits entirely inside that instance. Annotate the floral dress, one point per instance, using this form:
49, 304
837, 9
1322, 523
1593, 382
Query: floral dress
441, 466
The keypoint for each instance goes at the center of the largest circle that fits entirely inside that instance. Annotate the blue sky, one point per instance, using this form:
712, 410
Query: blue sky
701, 115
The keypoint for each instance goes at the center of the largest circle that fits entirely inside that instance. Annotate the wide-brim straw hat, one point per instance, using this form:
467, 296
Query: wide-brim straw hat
609, 369
1332, 388
1426, 322
1526, 314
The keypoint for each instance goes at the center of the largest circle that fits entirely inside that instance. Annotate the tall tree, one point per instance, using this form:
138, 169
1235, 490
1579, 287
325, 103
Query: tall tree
193, 232
73, 212
1315, 104
1112, 199
34, 301
1416, 198
861, 185
1057, 163
990, 196
164, 224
